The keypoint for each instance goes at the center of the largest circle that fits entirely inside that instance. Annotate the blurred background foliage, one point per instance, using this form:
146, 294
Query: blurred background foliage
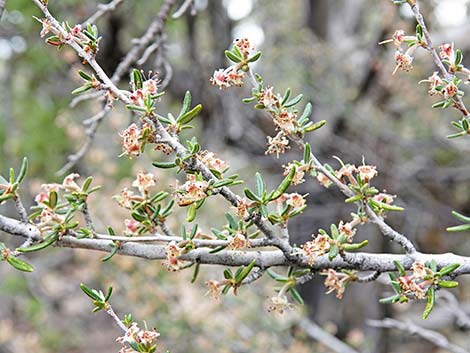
325, 49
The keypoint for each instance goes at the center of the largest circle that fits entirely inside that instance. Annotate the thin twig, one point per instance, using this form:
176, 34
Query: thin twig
315, 332
408, 327
102, 10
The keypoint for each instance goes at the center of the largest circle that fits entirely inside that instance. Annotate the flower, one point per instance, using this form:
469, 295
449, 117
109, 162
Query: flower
450, 90
268, 98
316, 247
348, 229
279, 304
384, 198
173, 251
213, 287
130, 140
135, 335
239, 241
447, 51
244, 45
125, 198
277, 144
336, 281
43, 196
367, 172
219, 78
69, 184
209, 159
296, 201
242, 208
46, 26
132, 226
434, 81
403, 61
191, 191
324, 180
285, 120
143, 182
398, 37
299, 174
419, 270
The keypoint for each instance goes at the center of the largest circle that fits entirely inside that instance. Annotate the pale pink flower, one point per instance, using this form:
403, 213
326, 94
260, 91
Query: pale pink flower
403, 61
144, 181
268, 98
69, 183
447, 51
173, 252
277, 144
132, 226
316, 247
450, 90
367, 172
239, 241
130, 140
213, 287
335, 281
296, 201
220, 79
244, 45
279, 304
324, 180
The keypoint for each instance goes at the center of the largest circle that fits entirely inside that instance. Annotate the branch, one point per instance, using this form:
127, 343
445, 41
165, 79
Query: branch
318, 334
432, 336
102, 10
264, 259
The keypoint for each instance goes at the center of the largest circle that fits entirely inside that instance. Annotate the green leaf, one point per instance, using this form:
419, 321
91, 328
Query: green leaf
461, 217
286, 96
307, 152
293, 101
19, 264
277, 276
164, 165
356, 246
431, 298
316, 126
195, 273
334, 251
254, 58
460, 228
390, 300
385, 206
137, 79
354, 198
23, 171
90, 292
111, 254
448, 269
251, 195
48, 240
53, 199
87, 183
245, 272
296, 295
81, 89
186, 103
260, 184
232, 56
108, 293
84, 75
400, 268
191, 213
187, 117
307, 112
448, 284
284, 184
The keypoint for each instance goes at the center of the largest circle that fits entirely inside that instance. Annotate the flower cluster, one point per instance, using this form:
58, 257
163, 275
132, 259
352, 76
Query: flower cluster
234, 74
300, 170
134, 139
210, 160
319, 246
336, 281
144, 91
415, 284
403, 58
279, 304
144, 340
173, 252
191, 191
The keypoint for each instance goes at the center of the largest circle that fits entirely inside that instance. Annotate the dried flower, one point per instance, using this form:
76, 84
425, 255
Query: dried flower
268, 98
285, 120
244, 45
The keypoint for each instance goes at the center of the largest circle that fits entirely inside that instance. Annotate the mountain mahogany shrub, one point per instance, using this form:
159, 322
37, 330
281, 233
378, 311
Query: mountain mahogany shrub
255, 237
